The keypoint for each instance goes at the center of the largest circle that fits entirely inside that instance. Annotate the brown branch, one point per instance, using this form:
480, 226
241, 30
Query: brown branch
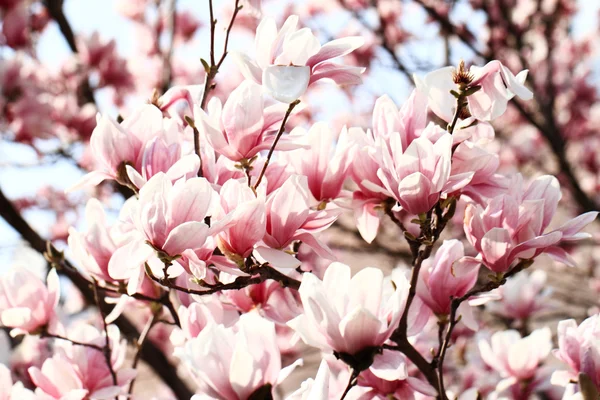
213, 68
53, 336
106, 350
150, 353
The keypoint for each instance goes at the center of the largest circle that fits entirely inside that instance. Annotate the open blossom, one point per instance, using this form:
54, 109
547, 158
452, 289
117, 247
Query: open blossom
522, 296
26, 304
447, 276
233, 363
498, 86
249, 213
345, 314
244, 126
289, 218
325, 162
579, 348
197, 316
94, 248
517, 359
417, 176
314, 389
10, 391
513, 225
289, 60
168, 218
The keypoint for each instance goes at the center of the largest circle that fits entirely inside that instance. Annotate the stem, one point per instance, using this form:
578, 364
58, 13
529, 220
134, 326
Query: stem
197, 148
213, 69
272, 149
53, 336
106, 349
351, 383
167, 69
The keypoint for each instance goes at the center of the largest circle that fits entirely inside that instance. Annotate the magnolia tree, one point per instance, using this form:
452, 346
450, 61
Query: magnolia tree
204, 248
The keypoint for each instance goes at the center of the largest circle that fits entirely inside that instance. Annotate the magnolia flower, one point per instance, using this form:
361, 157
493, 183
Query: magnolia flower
325, 161
522, 296
516, 359
317, 389
579, 348
290, 218
249, 213
10, 391
26, 304
348, 315
512, 225
197, 316
290, 60
417, 176
497, 86
241, 129
168, 218
234, 363
447, 276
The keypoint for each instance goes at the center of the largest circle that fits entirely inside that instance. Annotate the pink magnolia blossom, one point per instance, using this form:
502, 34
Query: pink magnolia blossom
26, 304
249, 213
448, 275
522, 296
241, 129
10, 390
82, 370
233, 363
579, 348
512, 225
388, 377
197, 316
324, 162
314, 389
93, 249
407, 122
289, 60
348, 315
417, 176
289, 218
169, 217
516, 359
115, 145
498, 86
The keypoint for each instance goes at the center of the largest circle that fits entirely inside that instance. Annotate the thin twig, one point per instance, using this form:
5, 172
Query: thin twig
106, 350
167, 72
53, 336
351, 383
272, 149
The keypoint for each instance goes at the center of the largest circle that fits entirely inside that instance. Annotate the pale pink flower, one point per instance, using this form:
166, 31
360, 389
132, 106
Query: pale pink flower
418, 176
388, 377
249, 213
498, 86
579, 348
168, 218
348, 315
289, 60
408, 122
241, 128
197, 316
446, 276
134, 9
325, 162
289, 218
522, 296
516, 359
115, 145
233, 363
26, 304
512, 225
15, 26
314, 389
82, 370
93, 249
10, 390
